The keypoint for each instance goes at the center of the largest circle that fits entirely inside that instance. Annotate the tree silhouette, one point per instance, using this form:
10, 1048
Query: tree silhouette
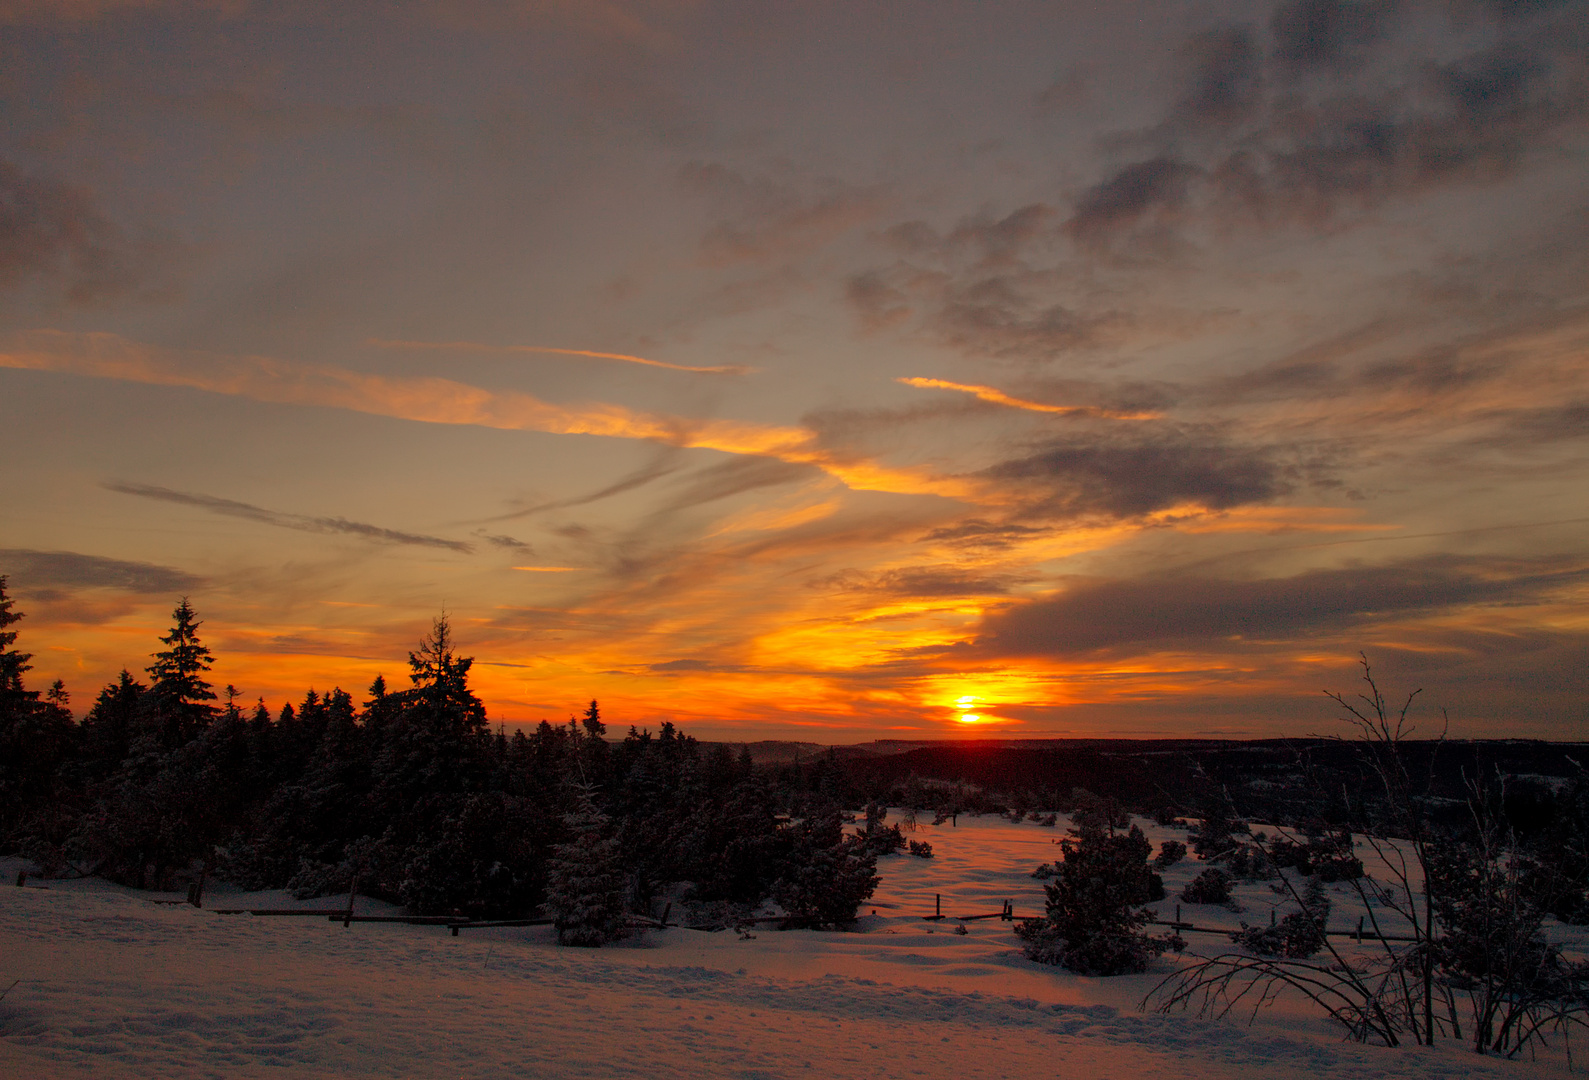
177, 682
13, 662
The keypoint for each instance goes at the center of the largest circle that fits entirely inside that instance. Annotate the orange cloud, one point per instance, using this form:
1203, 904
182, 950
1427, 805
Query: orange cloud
441, 401
999, 397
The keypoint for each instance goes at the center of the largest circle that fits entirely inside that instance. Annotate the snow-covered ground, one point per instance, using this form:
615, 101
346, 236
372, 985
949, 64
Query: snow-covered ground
111, 985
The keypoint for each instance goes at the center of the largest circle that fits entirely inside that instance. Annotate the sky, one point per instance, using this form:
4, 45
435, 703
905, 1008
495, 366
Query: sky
831, 371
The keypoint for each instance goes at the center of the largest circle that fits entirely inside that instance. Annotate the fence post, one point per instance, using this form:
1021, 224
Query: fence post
937, 903
353, 889
22, 879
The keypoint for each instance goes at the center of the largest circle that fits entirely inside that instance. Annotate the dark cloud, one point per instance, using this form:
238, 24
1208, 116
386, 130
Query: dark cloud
1007, 316
985, 301
1318, 33
1493, 84
1336, 119
39, 570
1312, 151
54, 232
918, 581
1523, 9
681, 665
1225, 78
1549, 424
300, 522
878, 303
1335, 367
1130, 194
1098, 615
501, 541
996, 238
1433, 374
1075, 479
986, 534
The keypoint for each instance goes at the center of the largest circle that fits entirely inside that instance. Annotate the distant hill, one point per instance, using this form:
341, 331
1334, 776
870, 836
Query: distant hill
1262, 776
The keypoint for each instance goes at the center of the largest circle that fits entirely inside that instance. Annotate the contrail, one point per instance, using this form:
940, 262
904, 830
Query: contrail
727, 369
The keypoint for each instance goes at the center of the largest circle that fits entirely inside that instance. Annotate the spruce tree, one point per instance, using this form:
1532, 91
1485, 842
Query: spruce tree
36, 737
14, 696
826, 874
109, 727
177, 679
1093, 924
441, 681
591, 721
584, 889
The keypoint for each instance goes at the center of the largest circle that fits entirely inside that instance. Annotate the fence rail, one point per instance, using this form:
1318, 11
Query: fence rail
456, 923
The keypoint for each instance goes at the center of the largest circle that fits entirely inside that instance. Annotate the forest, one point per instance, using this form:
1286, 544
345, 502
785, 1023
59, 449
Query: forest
407, 795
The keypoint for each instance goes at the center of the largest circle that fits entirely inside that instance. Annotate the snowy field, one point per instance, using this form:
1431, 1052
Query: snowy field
112, 985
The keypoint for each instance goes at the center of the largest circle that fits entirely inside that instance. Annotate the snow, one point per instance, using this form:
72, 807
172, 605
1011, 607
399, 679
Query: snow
112, 985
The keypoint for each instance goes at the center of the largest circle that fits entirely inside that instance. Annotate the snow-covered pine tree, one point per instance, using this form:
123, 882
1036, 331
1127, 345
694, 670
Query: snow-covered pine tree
584, 886
1093, 921
827, 875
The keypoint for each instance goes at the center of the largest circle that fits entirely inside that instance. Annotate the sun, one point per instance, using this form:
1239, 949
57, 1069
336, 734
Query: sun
966, 703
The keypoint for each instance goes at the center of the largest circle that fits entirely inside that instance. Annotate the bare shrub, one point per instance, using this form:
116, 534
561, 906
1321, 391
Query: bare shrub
1472, 932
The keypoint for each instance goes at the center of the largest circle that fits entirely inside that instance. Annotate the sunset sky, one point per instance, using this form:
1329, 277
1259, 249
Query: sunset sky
822, 370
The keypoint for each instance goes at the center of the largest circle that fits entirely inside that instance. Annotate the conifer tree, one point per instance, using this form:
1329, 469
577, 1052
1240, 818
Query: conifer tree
584, 890
827, 874
109, 727
35, 736
1093, 924
441, 680
591, 721
177, 678
13, 663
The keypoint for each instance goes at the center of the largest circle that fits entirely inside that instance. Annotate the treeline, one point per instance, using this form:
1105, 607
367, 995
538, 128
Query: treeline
408, 795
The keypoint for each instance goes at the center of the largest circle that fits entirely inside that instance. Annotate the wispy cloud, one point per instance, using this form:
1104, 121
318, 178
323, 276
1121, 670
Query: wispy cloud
502, 541
999, 397
300, 522
1094, 615
69, 569
444, 401
475, 346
